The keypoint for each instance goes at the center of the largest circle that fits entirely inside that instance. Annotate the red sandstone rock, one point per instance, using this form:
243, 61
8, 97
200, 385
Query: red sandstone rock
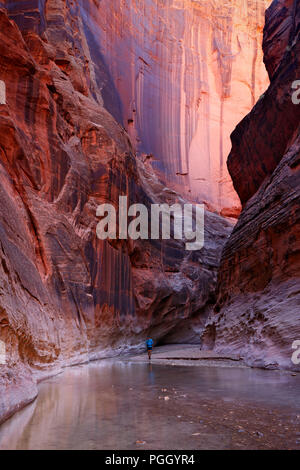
186, 73
66, 297
263, 137
257, 313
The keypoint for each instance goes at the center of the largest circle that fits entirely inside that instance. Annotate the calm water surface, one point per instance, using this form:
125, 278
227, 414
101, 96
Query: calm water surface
116, 404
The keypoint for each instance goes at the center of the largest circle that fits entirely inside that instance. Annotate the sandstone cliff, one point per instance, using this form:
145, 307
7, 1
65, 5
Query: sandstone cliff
186, 72
65, 296
258, 309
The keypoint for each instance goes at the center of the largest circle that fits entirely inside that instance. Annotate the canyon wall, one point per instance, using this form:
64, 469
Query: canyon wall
257, 314
186, 72
65, 296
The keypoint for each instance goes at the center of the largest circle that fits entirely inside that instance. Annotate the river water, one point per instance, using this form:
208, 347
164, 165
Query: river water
122, 405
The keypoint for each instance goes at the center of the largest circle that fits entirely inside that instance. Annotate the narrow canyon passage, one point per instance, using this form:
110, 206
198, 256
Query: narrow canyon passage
142, 107
123, 404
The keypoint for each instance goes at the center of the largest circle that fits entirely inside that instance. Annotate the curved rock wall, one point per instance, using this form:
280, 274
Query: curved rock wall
65, 296
257, 314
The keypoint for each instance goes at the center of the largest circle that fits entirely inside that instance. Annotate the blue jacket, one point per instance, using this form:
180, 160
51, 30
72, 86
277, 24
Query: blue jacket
149, 343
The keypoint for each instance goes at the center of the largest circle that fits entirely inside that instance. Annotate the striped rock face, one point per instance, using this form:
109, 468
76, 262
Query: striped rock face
104, 98
186, 72
177, 74
257, 313
67, 297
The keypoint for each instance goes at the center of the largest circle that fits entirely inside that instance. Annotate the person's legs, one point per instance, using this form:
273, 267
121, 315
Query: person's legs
149, 354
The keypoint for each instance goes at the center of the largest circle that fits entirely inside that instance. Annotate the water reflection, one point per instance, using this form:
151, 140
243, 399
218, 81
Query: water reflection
113, 404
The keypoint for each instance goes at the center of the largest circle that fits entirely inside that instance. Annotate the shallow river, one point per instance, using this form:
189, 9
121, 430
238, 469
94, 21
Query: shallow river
116, 404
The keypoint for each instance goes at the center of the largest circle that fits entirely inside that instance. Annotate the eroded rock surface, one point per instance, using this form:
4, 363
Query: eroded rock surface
65, 296
186, 73
258, 309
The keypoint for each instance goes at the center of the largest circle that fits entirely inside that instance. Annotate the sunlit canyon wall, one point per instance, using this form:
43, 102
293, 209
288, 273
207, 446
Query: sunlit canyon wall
65, 296
102, 99
257, 314
186, 72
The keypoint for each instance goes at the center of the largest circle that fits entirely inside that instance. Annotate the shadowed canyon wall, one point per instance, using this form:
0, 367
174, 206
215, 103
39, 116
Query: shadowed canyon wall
257, 314
186, 73
65, 296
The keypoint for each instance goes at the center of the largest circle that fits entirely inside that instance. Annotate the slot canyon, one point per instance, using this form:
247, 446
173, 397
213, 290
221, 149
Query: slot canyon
165, 102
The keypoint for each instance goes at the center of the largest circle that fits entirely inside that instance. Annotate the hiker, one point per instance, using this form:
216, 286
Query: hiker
149, 344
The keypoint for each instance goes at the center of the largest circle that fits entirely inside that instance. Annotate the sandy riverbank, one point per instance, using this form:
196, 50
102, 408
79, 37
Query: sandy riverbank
187, 355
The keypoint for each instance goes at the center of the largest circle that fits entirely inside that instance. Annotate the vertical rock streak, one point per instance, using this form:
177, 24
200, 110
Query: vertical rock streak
186, 72
257, 312
65, 296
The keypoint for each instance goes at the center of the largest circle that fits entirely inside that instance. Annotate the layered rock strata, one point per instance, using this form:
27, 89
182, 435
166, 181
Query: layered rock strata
65, 296
186, 72
257, 314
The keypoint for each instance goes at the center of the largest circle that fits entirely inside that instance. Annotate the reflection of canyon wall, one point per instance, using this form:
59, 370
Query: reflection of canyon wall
186, 73
90, 400
258, 308
64, 295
